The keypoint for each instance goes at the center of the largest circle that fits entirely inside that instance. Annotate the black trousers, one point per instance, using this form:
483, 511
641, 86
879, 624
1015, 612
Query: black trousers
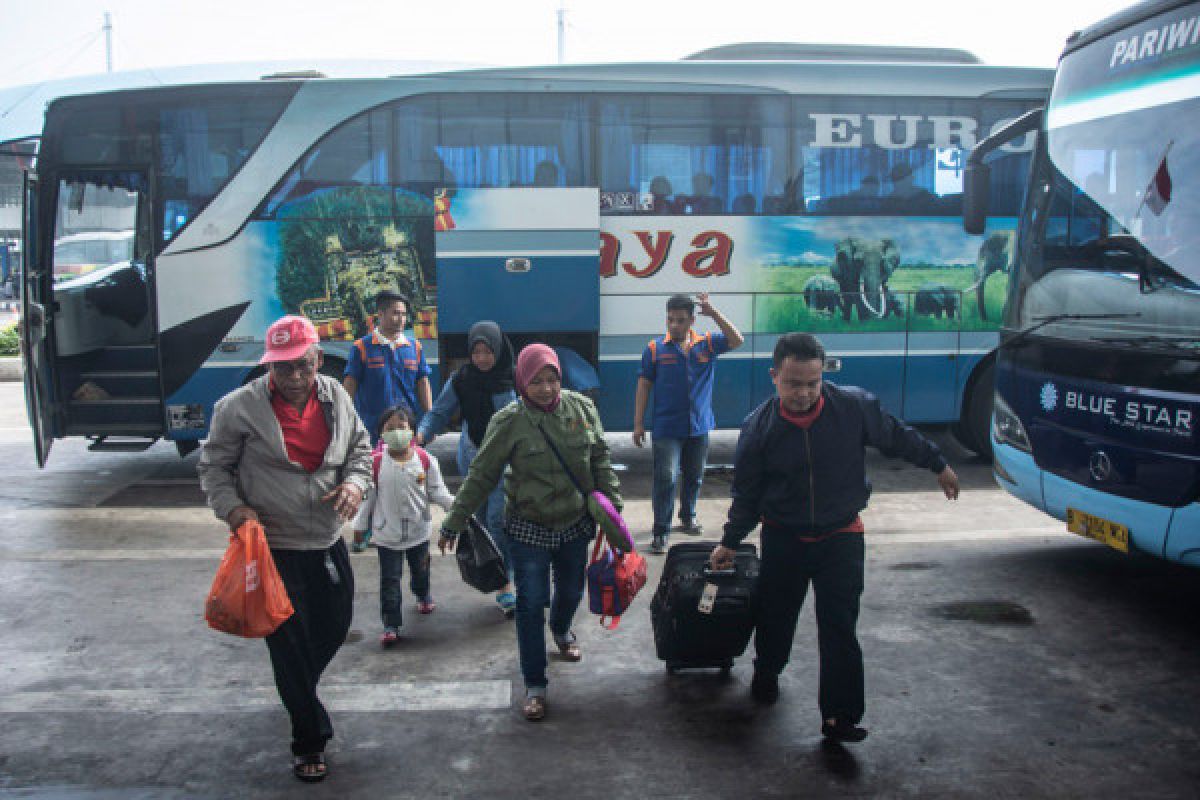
321, 587
834, 567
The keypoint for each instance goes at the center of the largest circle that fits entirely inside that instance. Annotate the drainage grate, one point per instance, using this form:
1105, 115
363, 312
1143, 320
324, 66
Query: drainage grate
986, 612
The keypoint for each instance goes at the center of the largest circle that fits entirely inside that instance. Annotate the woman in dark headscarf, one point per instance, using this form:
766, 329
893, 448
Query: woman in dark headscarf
476, 391
547, 518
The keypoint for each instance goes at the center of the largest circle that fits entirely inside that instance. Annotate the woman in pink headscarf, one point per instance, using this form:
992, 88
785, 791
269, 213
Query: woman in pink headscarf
548, 431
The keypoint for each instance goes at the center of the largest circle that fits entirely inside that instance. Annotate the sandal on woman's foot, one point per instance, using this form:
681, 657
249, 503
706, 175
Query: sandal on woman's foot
310, 768
508, 604
569, 648
534, 708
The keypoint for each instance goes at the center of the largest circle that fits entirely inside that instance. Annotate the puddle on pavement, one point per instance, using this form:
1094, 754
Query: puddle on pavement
986, 612
915, 565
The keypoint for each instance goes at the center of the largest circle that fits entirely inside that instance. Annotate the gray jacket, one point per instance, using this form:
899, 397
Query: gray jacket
244, 462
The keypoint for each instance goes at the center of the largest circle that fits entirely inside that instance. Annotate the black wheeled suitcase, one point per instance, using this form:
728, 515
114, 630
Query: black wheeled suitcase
703, 618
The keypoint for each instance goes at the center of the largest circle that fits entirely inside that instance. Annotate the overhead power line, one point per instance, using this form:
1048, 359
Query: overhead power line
54, 75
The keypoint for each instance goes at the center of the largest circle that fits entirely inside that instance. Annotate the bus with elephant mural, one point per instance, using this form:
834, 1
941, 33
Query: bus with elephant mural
804, 188
1097, 409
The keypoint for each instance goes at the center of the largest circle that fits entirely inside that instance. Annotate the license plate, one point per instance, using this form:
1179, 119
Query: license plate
1102, 530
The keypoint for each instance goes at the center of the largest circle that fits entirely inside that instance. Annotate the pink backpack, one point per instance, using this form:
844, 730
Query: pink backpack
377, 459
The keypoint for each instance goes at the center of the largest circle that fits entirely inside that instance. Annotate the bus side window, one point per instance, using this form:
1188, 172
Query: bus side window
707, 149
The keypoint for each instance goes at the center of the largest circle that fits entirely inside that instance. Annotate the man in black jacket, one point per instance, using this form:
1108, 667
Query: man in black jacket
800, 470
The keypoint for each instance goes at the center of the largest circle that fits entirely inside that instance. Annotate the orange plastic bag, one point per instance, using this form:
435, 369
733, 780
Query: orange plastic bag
248, 597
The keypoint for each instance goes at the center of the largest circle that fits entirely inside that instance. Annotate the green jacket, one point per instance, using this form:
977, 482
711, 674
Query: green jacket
536, 488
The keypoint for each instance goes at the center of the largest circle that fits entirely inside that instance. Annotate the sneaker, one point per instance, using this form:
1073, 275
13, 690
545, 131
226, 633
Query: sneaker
426, 605
764, 688
843, 732
658, 545
691, 527
508, 604
390, 636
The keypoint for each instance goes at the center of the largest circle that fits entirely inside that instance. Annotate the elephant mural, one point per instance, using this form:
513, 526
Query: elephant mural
936, 300
995, 255
822, 294
861, 268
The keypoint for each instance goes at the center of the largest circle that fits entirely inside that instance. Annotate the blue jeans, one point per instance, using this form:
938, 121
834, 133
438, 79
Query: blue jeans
671, 456
533, 567
493, 511
391, 580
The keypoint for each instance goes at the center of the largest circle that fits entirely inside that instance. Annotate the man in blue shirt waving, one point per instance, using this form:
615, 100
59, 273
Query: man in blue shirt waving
386, 368
679, 368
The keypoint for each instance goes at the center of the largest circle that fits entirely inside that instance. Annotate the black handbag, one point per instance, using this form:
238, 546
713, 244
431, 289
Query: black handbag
480, 562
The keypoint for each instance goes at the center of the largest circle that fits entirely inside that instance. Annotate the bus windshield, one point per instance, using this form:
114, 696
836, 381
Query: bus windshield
1114, 209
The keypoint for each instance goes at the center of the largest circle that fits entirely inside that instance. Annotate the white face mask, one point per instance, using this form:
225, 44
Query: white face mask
397, 439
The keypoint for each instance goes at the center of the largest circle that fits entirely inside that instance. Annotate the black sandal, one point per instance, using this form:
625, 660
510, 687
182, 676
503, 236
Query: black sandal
568, 649
534, 708
310, 768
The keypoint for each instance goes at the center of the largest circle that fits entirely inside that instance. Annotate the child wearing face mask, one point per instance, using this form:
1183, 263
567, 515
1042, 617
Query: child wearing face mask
396, 516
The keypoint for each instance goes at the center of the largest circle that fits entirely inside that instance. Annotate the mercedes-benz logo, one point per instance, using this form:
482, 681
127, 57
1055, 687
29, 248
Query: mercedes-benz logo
1100, 466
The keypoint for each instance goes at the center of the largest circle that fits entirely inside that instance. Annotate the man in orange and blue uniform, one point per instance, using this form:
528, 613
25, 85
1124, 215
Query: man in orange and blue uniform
386, 368
679, 369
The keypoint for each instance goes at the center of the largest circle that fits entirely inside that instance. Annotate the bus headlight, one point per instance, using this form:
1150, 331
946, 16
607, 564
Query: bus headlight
1007, 427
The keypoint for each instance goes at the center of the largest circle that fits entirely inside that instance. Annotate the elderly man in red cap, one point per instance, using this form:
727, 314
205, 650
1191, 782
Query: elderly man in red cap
289, 451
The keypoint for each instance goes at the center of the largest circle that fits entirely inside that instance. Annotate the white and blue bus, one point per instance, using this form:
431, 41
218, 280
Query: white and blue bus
816, 191
1098, 373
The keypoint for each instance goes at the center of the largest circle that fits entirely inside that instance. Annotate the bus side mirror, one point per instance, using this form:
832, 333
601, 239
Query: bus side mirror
977, 180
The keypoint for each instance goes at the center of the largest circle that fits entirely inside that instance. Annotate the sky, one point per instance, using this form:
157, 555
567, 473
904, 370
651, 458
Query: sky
51, 39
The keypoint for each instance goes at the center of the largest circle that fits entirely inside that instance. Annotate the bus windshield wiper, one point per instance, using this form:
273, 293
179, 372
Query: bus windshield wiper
1041, 322
1187, 344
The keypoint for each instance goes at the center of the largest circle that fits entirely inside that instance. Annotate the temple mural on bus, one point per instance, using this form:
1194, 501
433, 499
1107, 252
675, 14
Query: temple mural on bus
339, 248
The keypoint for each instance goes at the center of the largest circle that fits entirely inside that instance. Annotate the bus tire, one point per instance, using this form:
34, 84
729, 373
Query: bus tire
974, 427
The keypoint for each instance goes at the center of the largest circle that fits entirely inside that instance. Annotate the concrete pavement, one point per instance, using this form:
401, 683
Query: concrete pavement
1005, 658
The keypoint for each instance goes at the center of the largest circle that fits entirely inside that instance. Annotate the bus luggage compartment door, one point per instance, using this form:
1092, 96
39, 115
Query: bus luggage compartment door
528, 259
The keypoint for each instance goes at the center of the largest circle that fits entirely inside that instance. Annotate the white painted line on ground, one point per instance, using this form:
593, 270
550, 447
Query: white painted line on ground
882, 537
214, 554
878, 537
446, 696
63, 554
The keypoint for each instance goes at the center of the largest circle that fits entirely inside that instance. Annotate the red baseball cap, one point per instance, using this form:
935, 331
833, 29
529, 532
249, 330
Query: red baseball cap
288, 339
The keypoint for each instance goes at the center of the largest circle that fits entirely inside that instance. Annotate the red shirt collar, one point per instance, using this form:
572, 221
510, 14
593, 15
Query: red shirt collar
806, 418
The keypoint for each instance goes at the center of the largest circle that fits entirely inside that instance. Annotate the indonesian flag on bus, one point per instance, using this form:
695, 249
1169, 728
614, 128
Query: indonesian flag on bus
1158, 191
